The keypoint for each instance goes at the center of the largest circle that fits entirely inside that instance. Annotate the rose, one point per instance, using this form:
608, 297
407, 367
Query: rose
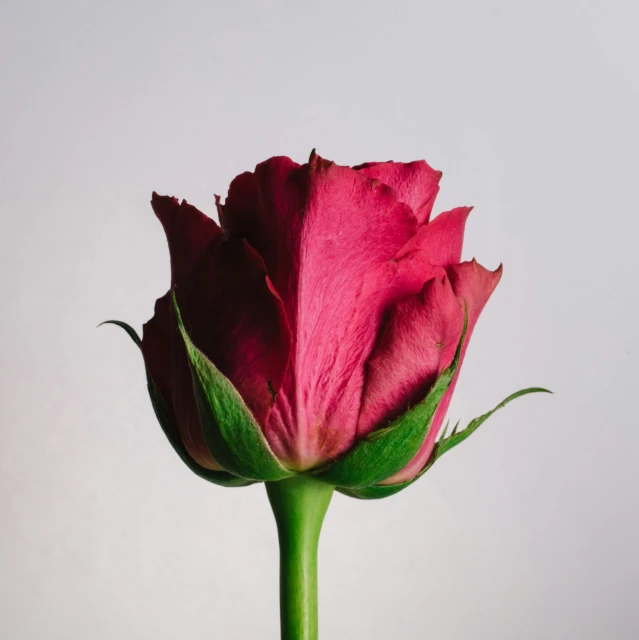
314, 340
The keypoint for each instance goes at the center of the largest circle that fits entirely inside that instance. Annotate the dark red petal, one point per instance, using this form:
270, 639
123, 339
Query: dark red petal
260, 204
415, 183
188, 232
236, 319
166, 363
473, 284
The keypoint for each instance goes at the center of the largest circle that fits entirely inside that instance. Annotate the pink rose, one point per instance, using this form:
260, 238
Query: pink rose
330, 302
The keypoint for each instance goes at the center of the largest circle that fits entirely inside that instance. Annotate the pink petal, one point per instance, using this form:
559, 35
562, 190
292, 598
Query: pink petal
417, 342
436, 245
415, 183
324, 232
473, 284
441, 240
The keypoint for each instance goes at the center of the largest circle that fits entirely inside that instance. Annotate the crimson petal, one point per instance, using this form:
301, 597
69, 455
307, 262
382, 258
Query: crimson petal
415, 183
231, 312
417, 342
166, 365
188, 232
324, 231
474, 285
441, 240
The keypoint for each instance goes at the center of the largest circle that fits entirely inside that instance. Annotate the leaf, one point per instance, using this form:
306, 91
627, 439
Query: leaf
229, 428
221, 478
443, 445
385, 451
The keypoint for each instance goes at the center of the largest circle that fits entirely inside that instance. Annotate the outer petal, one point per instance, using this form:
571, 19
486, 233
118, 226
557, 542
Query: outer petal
188, 232
441, 240
417, 343
473, 284
168, 367
415, 183
324, 231
235, 318
231, 312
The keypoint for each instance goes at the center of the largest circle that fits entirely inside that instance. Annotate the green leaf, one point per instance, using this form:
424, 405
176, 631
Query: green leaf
443, 445
385, 451
221, 478
229, 428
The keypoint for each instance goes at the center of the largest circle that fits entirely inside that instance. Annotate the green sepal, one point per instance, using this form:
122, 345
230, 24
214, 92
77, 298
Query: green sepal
229, 428
385, 451
455, 438
441, 447
221, 478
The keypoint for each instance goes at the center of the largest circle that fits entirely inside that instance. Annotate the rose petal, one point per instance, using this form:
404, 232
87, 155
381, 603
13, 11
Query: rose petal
473, 284
415, 183
436, 245
417, 342
441, 240
237, 320
188, 232
232, 314
166, 363
324, 231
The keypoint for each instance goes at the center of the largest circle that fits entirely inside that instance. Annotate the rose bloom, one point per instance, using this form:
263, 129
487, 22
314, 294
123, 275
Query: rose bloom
330, 301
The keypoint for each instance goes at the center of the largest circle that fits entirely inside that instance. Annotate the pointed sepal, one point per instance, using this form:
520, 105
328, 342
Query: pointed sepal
221, 478
445, 443
230, 431
457, 437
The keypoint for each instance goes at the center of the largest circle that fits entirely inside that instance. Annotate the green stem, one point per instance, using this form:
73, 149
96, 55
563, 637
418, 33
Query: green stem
299, 505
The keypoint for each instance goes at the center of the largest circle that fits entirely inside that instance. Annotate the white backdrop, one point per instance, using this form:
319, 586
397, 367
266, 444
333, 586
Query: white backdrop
530, 109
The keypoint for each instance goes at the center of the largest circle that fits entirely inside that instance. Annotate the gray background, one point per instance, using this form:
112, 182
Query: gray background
529, 529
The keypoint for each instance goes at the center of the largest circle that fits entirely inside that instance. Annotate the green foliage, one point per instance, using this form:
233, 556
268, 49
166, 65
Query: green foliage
445, 443
229, 428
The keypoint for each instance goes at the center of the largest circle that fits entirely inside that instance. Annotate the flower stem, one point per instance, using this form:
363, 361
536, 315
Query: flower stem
299, 505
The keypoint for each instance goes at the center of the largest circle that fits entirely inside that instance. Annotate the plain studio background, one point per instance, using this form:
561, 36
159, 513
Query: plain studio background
529, 529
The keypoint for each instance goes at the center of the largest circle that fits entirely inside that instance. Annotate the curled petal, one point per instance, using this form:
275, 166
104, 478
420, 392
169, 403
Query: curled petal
416, 344
473, 284
415, 183
440, 241
188, 232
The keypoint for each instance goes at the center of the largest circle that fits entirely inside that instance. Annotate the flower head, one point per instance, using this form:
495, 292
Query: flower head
319, 330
